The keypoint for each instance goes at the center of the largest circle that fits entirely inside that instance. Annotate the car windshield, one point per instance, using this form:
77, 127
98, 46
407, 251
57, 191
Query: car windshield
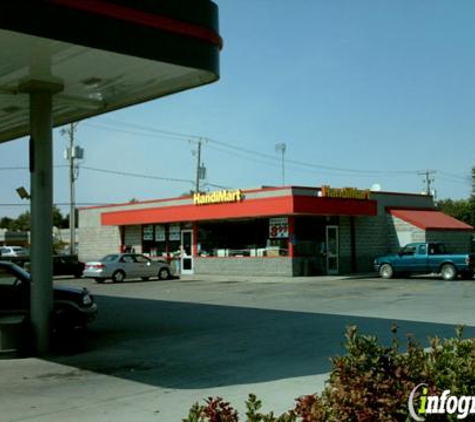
109, 258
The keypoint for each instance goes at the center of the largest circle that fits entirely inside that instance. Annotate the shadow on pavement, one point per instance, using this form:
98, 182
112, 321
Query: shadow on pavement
189, 345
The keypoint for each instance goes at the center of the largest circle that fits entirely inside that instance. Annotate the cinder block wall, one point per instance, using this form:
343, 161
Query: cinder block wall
244, 266
405, 230
96, 240
376, 235
456, 241
371, 240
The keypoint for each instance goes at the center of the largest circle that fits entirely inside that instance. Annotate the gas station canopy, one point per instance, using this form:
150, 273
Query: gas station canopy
64, 60
101, 55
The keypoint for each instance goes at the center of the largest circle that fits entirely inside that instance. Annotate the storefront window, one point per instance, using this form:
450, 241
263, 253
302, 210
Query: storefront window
160, 239
310, 235
239, 239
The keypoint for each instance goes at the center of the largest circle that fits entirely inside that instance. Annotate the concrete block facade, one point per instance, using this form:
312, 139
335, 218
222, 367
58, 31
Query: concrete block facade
96, 240
245, 266
362, 236
455, 241
401, 233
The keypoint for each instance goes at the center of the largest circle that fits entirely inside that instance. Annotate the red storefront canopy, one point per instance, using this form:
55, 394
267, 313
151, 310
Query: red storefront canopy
271, 205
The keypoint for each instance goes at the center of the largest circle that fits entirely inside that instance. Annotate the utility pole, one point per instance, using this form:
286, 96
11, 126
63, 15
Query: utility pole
198, 165
428, 180
200, 168
281, 147
71, 154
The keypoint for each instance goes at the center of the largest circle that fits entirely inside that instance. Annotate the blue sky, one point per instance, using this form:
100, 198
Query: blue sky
377, 89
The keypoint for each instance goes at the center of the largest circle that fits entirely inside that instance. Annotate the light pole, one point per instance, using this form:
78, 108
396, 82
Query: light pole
281, 148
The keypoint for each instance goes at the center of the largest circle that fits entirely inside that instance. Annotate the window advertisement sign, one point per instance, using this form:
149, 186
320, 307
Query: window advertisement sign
147, 233
175, 233
160, 234
278, 227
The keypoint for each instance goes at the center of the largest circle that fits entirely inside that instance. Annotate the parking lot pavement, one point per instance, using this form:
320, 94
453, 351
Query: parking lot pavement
159, 346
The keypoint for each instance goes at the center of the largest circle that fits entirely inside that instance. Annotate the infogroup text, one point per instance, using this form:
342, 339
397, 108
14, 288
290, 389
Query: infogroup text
443, 404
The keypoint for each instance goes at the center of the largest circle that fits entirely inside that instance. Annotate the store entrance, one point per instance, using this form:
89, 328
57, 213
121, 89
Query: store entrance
187, 252
333, 264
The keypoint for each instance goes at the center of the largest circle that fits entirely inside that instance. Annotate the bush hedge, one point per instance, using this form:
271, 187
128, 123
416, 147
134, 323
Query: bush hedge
370, 383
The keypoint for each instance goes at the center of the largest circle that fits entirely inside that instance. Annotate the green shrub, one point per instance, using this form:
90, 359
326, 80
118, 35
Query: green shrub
371, 383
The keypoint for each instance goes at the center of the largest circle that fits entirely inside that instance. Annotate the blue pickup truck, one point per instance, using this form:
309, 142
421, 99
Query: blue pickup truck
423, 258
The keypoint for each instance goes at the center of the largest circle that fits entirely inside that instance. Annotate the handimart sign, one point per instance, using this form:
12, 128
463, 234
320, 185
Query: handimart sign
347, 193
218, 197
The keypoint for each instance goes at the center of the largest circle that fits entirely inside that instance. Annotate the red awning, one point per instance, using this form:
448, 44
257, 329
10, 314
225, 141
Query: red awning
248, 208
429, 219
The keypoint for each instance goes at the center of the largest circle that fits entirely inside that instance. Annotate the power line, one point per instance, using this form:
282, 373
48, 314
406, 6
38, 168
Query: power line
147, 176
143, 176
62, 204
183, 137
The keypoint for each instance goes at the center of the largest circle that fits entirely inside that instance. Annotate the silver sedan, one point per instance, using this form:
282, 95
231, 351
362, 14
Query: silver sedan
119, 267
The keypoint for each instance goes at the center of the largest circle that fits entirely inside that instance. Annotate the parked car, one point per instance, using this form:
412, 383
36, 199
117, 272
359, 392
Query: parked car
62, 265
121, 266
13, 251
423, 258
73, 307
68, 265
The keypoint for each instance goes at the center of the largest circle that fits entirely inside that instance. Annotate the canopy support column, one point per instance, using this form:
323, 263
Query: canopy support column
41, 172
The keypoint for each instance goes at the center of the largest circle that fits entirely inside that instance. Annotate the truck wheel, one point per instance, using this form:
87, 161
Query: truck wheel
386, 271
448, 272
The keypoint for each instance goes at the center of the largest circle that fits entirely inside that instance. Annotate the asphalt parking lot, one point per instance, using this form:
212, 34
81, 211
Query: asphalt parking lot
159, 346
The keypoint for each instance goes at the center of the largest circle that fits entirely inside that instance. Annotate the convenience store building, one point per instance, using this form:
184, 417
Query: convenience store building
287, 231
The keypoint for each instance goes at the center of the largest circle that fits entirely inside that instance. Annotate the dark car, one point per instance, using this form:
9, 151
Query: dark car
67, 265
62, 265
73, 307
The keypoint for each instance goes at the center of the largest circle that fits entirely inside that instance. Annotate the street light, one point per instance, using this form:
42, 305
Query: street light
23, 193
281, 148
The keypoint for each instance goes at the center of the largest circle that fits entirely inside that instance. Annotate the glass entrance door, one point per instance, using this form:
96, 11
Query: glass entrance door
187, 252
333, 264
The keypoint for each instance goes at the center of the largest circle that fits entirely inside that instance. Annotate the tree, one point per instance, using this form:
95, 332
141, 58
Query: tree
6, 223
462, 209
472, 196
22, 222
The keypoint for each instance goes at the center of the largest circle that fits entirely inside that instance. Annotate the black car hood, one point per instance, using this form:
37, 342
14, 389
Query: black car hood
64, 292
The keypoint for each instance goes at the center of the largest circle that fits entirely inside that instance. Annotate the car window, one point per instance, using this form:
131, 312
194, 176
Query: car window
141, 259
422, 250
436, 249
109, 258
127, 259
6, 277
408, 250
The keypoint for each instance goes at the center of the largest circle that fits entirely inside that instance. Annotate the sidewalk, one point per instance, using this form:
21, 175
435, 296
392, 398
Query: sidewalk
42, 391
